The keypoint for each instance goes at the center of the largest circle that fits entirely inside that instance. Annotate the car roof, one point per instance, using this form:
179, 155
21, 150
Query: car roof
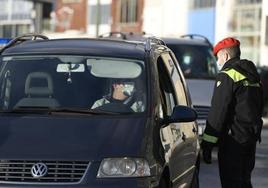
79, 46
185, 41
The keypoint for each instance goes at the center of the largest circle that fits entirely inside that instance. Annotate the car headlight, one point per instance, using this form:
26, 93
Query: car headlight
123, 167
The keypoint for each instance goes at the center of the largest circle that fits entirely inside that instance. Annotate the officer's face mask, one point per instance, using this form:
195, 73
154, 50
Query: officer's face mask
221, 60
219, 65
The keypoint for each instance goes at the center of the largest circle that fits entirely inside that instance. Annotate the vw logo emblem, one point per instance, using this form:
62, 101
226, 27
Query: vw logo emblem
39, 170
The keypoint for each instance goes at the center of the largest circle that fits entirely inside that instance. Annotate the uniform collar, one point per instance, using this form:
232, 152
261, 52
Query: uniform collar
230, 63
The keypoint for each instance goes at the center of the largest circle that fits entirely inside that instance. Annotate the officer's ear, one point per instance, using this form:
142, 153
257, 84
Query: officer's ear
226, 55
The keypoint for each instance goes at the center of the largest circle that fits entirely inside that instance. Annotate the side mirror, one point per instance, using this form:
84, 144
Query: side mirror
181, 114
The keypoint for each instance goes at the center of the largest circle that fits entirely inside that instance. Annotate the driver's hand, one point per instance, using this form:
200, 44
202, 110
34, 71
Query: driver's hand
118, 92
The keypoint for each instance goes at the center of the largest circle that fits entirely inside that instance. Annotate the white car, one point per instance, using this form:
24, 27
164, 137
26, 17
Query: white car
195, 56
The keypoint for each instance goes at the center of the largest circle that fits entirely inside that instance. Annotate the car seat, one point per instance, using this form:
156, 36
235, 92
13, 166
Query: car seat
38, 96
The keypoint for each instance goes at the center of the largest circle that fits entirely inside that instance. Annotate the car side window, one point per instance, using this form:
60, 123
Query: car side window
175, 79
5, 90
167, 90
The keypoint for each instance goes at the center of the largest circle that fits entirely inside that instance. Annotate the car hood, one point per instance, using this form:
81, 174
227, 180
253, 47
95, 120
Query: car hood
72, 138
201, 91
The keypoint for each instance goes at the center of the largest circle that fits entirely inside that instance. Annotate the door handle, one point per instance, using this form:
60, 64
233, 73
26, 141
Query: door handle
183, 137
194, 129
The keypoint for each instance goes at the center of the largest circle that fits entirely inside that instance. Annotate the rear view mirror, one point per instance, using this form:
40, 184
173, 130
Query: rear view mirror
181, 114
70, 67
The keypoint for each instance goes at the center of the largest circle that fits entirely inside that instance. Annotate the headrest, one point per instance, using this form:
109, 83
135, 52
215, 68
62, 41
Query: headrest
39, 90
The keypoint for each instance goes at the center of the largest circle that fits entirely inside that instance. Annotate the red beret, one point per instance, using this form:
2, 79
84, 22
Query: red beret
225, 43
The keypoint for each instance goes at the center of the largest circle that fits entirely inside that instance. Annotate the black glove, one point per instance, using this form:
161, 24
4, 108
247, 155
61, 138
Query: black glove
207, 151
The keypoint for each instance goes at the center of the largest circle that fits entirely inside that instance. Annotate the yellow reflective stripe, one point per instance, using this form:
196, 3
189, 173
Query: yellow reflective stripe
247, 83
235, 75
211, 139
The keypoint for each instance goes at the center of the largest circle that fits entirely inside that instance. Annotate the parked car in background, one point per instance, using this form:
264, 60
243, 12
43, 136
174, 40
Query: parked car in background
4, 42
195, 56
53, 134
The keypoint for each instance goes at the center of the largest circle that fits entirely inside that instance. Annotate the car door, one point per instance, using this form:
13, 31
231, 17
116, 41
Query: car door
188, 131
171, 135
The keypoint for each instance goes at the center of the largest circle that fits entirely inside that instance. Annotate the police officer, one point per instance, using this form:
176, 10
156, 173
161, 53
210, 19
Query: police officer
235, 119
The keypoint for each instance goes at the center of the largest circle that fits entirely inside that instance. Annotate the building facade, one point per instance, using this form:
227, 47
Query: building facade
242, 19
71, 15
173, 18
165, 18
127, 15
18, 17
99, 17
264, 35
201, 18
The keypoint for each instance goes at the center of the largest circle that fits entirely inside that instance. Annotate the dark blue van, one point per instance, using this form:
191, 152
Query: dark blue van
95, 113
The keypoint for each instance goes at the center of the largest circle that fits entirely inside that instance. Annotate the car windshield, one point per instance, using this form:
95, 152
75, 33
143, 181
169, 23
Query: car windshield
195, 61
72, 82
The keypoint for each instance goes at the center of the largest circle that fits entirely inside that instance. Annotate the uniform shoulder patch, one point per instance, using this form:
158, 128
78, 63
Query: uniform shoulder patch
218, 83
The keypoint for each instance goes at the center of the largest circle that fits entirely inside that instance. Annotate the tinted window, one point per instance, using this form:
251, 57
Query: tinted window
195, 61
167, 90
176, 80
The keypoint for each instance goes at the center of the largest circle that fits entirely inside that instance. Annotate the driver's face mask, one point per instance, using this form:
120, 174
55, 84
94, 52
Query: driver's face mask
128, 88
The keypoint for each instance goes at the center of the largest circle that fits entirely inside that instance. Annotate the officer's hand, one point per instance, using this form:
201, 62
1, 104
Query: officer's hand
207, 156
207, 151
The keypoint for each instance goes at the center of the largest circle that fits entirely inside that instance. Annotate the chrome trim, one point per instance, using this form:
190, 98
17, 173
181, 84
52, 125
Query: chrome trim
184, 173
38, 170
87, 164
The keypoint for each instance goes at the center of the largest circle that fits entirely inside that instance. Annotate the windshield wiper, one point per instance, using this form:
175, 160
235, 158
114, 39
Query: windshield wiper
48, 110
82, 111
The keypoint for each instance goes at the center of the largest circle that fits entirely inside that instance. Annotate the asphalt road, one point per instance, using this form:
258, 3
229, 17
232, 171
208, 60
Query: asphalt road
209, 175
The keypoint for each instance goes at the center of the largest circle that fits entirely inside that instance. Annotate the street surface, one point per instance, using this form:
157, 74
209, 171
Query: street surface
209, 175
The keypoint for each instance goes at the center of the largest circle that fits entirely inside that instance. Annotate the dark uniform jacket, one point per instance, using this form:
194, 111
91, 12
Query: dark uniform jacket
236, 107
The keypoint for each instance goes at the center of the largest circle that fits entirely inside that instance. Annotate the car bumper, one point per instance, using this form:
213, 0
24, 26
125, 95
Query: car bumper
89, 180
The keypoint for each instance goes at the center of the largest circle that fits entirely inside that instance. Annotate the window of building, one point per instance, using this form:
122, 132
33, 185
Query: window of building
21, 10
10, 31
128, 11
104, 15
246, 25
248, 1
250, 48
246, 19
197, 4
3, 10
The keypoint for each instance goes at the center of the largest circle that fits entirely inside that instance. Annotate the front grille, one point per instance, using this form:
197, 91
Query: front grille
58, 171
202, 111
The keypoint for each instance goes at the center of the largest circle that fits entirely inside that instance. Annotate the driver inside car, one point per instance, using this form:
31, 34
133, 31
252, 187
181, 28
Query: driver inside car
122, 93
